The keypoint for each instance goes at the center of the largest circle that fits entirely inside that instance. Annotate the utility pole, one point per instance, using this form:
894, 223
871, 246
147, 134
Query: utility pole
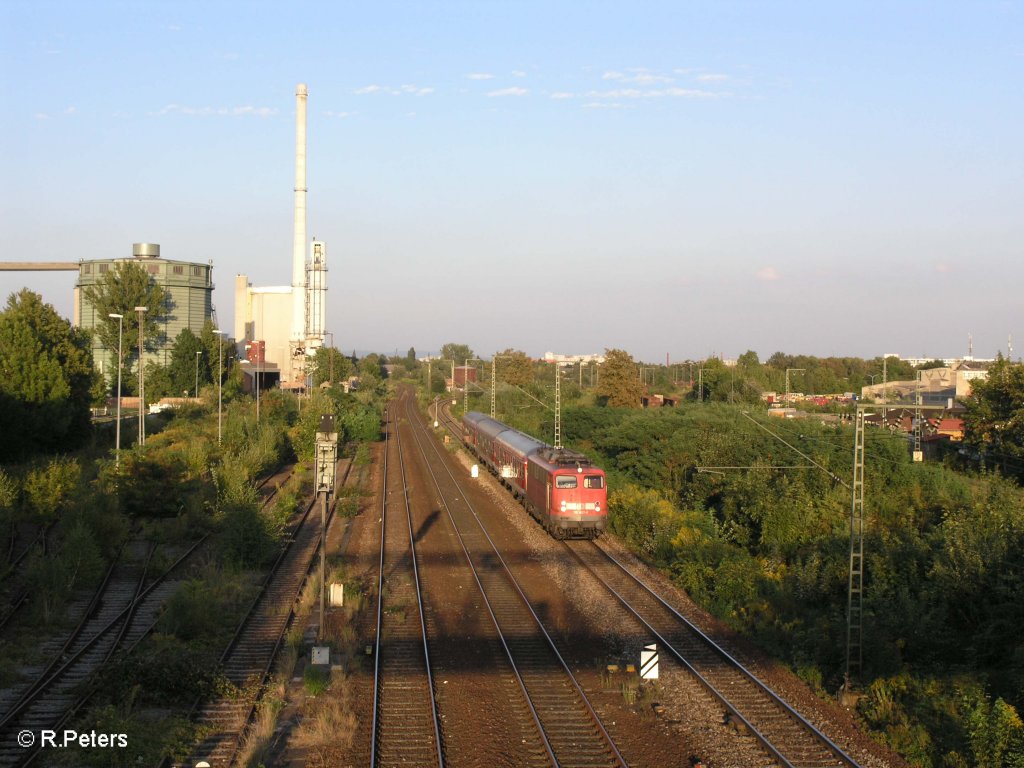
199, 352
326, 458
220, 386
120, 364
558, 406
494, 375
142, 379
918, 455
787, 382
700, 384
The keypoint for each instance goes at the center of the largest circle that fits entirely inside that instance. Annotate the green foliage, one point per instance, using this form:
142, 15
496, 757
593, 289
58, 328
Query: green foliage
52, 578
460, 353
515, 368
46, 380
187, 362
118, 292
49, 490
329, 364
201, 604
934, 722
994, 420
620, 380
766, 549
315, 680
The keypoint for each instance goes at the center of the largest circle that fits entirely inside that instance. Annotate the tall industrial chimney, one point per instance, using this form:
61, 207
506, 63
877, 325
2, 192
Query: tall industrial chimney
299, 240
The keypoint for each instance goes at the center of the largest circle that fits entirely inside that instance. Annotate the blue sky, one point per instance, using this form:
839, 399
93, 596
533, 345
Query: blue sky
680, 178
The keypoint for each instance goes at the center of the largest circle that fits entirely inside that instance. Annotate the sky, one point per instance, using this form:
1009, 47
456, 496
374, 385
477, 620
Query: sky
669, 178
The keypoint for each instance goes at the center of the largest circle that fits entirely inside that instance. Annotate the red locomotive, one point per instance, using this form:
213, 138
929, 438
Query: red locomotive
559, 487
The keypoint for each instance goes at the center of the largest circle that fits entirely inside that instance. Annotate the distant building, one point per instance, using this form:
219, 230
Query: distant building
551, 357
938, 386
188, 286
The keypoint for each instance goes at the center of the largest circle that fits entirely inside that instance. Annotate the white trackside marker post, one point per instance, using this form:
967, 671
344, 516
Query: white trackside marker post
475, 471
649, 662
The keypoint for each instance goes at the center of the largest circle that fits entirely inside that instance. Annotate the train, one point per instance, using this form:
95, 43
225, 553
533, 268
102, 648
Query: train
561, 488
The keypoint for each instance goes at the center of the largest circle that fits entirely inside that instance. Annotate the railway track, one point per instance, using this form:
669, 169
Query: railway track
127, 609
405, 727
122, 611
247, 660
569, 731
787, 737
785, 734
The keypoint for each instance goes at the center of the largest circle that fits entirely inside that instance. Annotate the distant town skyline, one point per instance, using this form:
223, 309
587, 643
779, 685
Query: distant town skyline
823, 179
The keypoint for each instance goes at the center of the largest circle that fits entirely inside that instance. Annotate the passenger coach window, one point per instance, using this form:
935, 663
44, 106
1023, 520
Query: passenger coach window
593, 481
565, 481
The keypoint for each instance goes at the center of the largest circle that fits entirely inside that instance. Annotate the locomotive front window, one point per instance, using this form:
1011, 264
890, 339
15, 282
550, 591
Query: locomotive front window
565, 481
593, 481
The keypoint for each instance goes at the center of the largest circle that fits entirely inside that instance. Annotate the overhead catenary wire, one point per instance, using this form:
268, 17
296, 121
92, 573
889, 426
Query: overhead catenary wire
823, 468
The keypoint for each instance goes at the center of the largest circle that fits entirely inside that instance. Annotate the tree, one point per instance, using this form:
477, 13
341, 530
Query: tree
46, 378
620, 380
460, 353
329, 364
515, 368
214, 347
994, 420
185, 362
120, 290
410, 357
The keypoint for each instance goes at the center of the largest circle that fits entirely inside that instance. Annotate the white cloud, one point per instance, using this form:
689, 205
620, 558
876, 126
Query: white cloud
518, 73
515, 91
413, 90
41, 116
245, 111
712, 77
70, 110
561, 95
341, 115
636, 93
767, 274
603, 105
480, 76
638, 76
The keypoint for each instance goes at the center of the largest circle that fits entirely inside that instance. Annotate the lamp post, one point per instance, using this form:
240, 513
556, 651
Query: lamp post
326, 458
220, 385
198, 353
142, 379
117, 429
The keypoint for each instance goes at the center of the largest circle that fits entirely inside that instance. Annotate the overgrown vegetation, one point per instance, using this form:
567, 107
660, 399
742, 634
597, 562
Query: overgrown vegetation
766, 550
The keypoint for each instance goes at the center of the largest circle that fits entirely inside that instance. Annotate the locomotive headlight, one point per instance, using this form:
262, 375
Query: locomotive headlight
563, 505
597, 506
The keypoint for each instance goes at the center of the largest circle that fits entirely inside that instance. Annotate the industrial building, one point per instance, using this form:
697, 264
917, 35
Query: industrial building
288, 321
187, 285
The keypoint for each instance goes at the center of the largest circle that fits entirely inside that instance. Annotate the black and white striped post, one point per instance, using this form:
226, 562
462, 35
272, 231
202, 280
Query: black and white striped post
649, 662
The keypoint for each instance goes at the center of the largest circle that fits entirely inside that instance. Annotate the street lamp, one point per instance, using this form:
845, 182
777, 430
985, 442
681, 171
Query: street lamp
117, 429
142, 380
198, 353
220, 385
